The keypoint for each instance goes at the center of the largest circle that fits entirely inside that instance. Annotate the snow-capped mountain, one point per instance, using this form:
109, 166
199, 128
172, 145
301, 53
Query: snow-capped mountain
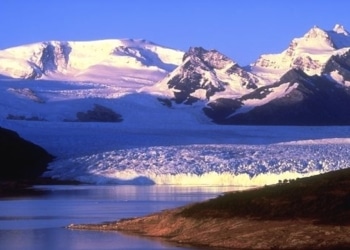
206, 74
122, 62
132, 80
309, 53
309, 85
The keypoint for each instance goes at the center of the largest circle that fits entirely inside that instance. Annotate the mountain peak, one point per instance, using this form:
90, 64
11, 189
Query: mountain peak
206, 75
309, 52
338, 28
196, 51
316, 32
337, 38
210, 58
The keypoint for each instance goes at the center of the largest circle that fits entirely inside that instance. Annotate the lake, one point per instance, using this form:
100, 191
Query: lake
39, 221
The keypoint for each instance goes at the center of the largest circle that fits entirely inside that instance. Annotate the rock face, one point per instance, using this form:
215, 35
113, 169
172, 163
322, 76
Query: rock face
21, 159
54, 56
338, 67
37, 61
205, 74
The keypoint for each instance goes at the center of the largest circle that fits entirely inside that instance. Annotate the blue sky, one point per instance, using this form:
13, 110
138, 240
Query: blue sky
241, 30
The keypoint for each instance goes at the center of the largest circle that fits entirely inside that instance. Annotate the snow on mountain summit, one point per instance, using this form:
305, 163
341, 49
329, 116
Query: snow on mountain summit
309, 52
205, 74
102, 60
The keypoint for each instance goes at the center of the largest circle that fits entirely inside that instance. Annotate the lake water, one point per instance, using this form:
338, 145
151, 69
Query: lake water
38, 222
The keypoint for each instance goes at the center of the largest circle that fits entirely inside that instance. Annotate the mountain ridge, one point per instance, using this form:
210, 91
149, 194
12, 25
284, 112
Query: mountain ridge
198, 80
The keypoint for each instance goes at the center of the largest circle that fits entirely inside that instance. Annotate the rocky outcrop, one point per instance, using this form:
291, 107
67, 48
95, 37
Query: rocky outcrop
54, 56
21, 159
99, 114
204, 74
196, 62
339, 64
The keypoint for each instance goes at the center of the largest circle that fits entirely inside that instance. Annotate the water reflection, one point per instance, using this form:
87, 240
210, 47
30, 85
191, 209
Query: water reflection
38, 222
59, 238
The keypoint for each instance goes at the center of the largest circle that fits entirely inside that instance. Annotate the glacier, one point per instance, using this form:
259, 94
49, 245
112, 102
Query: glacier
218, 165
179, 154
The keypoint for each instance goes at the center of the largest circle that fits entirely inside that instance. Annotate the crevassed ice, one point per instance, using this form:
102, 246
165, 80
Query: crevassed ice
243, 165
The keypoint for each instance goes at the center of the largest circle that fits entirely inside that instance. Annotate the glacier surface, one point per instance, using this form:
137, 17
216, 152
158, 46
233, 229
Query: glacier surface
176, 154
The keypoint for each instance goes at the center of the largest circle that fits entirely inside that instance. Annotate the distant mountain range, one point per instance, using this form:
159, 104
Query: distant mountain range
306, 84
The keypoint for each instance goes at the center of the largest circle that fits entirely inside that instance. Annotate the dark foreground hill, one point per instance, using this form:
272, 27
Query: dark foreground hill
22, 162
308, 213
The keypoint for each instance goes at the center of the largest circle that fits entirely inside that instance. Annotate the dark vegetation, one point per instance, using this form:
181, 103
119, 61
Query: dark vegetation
21, 159
324, 199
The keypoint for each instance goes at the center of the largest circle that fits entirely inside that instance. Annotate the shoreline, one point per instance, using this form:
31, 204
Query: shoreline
310, 213
15, 188
230, 233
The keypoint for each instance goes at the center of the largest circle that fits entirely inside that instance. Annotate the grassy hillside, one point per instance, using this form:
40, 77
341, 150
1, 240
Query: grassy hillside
323, 198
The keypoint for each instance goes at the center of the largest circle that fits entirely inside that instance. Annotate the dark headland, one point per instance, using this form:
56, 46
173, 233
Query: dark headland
22, 164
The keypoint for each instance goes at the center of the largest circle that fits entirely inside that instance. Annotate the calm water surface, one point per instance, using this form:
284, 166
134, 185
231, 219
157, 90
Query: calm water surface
38, 221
